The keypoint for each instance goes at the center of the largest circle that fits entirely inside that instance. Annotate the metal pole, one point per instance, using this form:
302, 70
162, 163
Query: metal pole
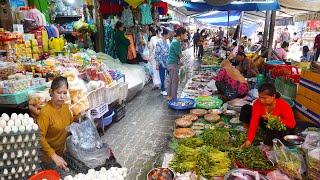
228, 34
266, 29
271, 33
241, 24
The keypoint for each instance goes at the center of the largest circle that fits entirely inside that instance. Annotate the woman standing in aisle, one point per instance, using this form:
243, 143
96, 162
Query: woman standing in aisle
53, 119
161, 56
121, 43
201, 43
269, 102
173, 62
152, 47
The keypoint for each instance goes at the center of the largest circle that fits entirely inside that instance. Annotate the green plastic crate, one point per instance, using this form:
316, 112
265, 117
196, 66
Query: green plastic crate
19, 97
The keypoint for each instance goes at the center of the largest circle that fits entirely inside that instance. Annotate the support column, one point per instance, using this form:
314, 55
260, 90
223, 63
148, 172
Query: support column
266, 29
271, 33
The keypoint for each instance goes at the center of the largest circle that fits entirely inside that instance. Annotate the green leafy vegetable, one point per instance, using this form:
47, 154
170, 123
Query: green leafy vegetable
191, 142
216, 137
185, 159
274, 123
253, 158
212, 162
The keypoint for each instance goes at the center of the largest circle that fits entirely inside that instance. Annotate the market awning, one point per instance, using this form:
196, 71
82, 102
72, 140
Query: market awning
220, 18
236, 5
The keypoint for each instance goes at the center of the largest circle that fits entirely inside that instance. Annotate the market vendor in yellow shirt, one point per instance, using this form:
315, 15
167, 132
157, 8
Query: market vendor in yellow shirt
54, 117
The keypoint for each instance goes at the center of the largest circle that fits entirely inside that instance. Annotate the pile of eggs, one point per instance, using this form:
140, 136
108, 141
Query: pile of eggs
113, 173
19, 145
16, 123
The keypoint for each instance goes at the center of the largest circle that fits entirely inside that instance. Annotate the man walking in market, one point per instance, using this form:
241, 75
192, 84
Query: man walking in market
196, 38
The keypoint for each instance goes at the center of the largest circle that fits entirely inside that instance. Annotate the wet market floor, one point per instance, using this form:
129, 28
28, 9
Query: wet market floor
141, 138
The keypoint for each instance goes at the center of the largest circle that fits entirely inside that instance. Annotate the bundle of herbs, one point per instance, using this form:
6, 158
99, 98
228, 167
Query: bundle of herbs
253, 158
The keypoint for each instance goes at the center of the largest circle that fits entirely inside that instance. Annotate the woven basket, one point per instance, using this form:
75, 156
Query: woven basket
97, 97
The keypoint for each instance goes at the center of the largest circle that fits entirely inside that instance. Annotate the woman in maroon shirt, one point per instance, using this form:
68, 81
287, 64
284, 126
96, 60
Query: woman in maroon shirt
269, 102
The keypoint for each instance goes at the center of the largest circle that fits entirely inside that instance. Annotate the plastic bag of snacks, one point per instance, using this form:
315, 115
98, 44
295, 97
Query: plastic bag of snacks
290, 163
7, 69
313, 161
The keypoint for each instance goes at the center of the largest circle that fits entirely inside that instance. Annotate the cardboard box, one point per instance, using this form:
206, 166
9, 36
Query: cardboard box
307, 109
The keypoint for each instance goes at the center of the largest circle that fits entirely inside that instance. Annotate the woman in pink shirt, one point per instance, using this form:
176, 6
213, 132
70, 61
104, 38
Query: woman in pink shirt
282, 52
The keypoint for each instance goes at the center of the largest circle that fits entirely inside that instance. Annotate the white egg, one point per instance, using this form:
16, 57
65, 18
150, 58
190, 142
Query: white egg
10, 123
26, 138
26, 154
29, 159
16, 176
34, 167
13, 170
36, 143
1, 163
22, 128
5, 172
8, 146
29, 144
4, 156
20, 169
35, 127
15, 161
26, 116
30, 121
26, 169
20, 116
19, 153
12, 155
23, 174
5, 117
1, 130
15, 146
28, 127
33, 137
3, 123
36, 159
23, 145
14, 129
34, 152
14, 116
19, 139
23, 160
12, 139
8, 163
9, 177
7, 129
4, 139
17, 122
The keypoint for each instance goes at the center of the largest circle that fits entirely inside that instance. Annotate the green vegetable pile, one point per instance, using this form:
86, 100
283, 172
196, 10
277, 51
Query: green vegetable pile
253, 158
274, 123
185, 159
191, 142
211, 162
216, 137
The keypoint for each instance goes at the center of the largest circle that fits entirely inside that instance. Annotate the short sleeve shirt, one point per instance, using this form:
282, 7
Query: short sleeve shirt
174, 52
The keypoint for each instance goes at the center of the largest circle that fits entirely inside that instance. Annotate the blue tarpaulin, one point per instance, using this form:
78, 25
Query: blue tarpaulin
221, 18
239, 6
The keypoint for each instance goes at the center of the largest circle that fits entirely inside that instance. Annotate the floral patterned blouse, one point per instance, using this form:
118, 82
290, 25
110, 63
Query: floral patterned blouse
162, 52
233, 88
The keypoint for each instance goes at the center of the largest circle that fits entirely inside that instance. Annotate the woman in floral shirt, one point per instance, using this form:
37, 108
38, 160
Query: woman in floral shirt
230, 83
161, 57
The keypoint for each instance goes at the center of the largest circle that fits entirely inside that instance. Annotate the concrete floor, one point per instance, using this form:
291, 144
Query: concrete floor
142, 137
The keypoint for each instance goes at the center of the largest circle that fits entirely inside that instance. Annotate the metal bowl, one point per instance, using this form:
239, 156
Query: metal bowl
293, 139
170, 174
230, 113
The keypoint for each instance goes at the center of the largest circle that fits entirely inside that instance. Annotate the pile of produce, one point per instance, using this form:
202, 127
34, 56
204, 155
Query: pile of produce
113, 173
211, 162
211, 60
216, 137
253, 158
185, 159
313, 164
274, 123
208, 102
